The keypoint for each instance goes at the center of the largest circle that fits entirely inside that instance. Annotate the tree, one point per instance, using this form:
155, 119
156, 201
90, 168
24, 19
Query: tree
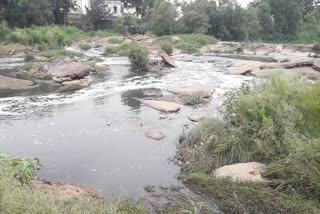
253, 24
98, 11
266, 21
60, 10
161, 19
24, 13
141, 6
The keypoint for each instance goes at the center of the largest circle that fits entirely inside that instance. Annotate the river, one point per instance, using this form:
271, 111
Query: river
96, 136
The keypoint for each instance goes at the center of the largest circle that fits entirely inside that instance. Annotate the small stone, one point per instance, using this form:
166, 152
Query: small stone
196, 117
155, 135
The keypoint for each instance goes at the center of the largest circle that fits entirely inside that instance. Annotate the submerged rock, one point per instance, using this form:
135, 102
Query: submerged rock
155, 135
241, 172
201, 91
163, 106
196, 117
13, 83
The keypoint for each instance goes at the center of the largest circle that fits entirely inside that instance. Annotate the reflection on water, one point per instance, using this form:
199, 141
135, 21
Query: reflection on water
96, 136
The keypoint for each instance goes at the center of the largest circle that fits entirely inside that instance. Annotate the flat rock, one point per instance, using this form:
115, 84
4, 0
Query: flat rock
83, 82
163, 106
241, 172
201, 91
71, 70
155, 135
196, 117
167, 59
13, 83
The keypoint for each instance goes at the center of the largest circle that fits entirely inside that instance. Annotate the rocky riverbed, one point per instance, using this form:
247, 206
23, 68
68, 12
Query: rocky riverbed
118, 133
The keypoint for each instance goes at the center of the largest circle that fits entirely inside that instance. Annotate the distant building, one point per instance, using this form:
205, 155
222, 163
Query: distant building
116, 7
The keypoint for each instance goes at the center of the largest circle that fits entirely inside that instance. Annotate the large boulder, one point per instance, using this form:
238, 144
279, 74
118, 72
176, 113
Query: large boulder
69, 70
167, 59
241, 172
13, 83
164, 106
196, 117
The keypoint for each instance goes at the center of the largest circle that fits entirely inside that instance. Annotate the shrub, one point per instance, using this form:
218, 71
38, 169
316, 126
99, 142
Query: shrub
261, 122
316, 48
85, 46
28, 58
70, 88
238, 198
139, 59
298, 173
167, 48
191, 100
188, 42
61, 52
115, 40
121, 50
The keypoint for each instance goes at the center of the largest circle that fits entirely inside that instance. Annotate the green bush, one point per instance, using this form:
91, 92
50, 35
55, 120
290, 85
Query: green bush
139, 59
239, 198
261, 122
121, 50
69, 88
52, 36
115, 40
316, 48
28, 58
188, 42
167, 48
85, 46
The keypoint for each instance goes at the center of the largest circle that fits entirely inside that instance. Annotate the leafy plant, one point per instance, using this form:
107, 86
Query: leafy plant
139, 59
23, 169
85, 46
316, 48
167, 48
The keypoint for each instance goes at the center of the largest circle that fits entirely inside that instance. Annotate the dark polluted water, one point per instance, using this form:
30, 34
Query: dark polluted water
96, 136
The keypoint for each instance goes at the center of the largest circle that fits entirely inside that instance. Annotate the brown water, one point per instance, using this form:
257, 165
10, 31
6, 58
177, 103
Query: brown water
96, 136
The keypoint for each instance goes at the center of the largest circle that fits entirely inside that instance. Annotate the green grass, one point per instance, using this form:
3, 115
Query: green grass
262, 122
115, 40
121, 50
60, 52
51, 36
188, 42
17, 199
69, 88
239, 198
85, 46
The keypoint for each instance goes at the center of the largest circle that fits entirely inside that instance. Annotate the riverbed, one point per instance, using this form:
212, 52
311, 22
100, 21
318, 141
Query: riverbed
96, 136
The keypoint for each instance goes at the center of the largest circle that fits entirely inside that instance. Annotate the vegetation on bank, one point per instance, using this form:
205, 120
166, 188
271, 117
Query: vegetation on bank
139, 59
46, 37
186, 42
274, 121
19, 196
239, 198
121, 50
60, 52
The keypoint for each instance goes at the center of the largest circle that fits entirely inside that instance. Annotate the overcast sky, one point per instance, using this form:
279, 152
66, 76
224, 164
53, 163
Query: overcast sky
244, 2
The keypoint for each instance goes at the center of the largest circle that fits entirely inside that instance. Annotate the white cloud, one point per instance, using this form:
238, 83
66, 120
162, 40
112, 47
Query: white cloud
244, 2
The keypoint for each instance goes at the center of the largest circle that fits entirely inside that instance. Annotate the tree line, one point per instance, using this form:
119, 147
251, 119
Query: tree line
25, 13
268, 20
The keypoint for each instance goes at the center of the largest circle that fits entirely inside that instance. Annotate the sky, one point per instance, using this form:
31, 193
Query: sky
244, 2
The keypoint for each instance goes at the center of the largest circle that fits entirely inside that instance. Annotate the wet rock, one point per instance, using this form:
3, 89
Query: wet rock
242, 172
288, 65
163, 106
201, 91
316, 65
168, 60
13, 83
69, 70
196, 117
155, 135
249, 57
